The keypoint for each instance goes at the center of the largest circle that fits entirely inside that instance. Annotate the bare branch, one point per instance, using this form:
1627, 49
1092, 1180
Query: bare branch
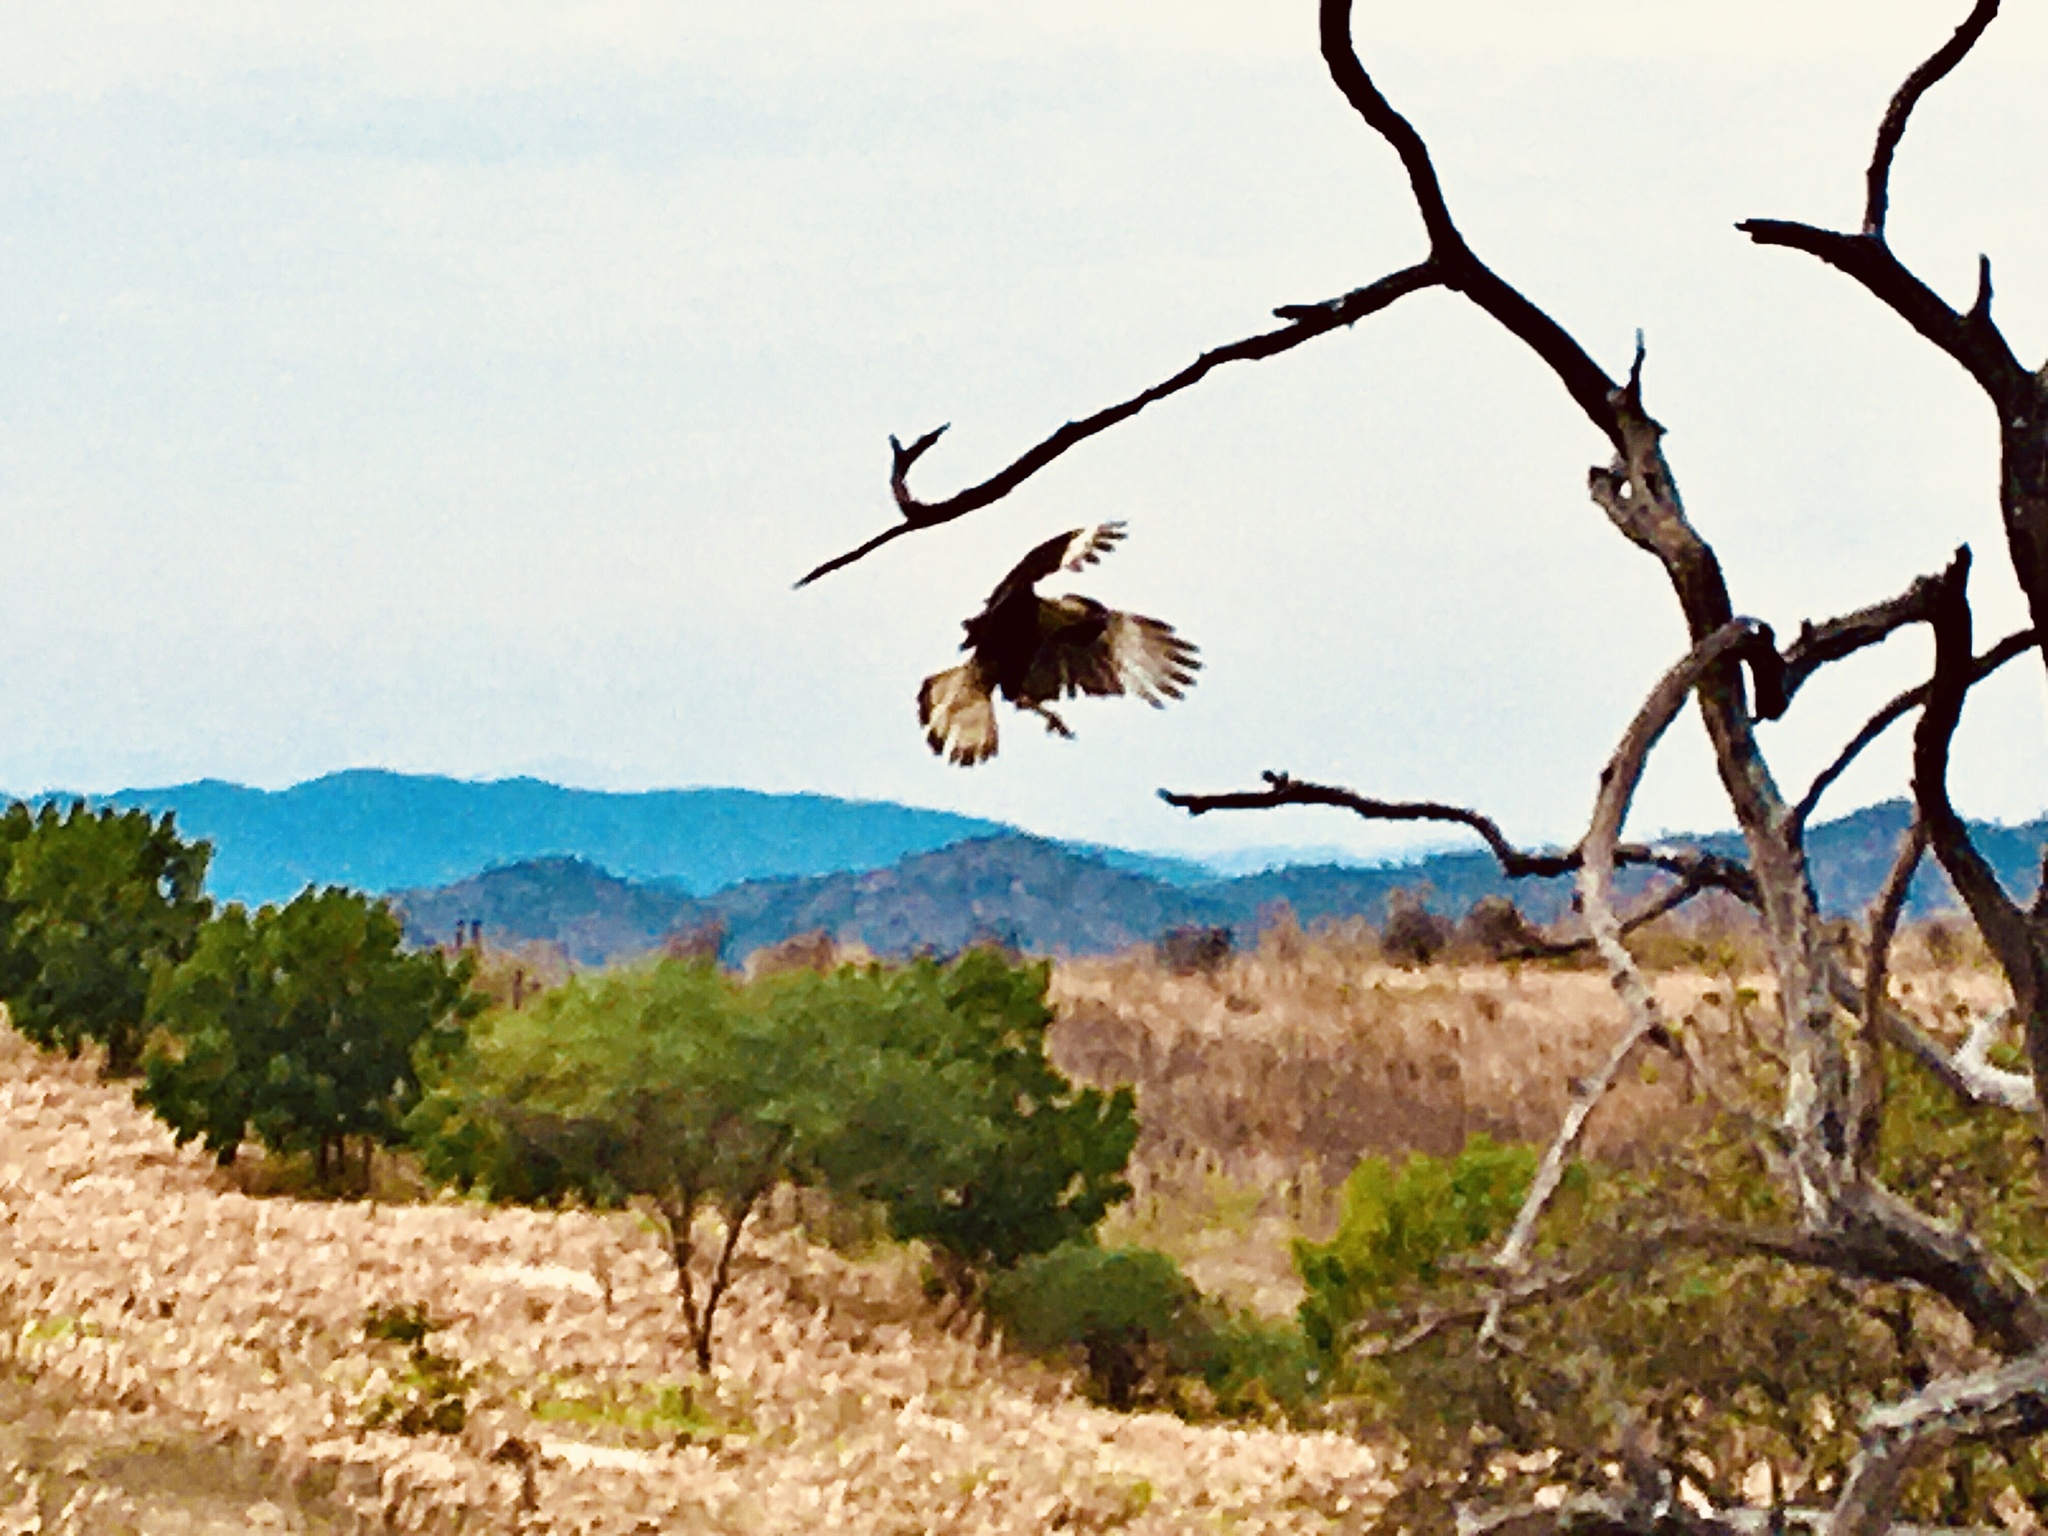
1968, 1073
1972, 339
1997, 916
1818, 645
1876, 1235
1583, 379
1596, 891
1630, 1253
2006, 1400
1305, 323
1868, 1093
1902, 705
1709, 870
1893, 128
1669, 899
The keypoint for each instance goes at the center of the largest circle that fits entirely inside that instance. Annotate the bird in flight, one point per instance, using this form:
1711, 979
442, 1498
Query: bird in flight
1037, 650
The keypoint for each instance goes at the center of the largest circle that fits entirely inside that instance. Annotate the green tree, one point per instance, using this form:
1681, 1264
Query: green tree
305, 1024
671, 1087
17, 965
924, 1088
963, 1129
98, 904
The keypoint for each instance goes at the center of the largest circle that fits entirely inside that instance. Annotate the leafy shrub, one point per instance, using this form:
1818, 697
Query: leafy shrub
97, 904
1145, 1333
305, 1024
1723, 1365
1399, 1226
1495, 928
924, 1090
954, 1120
1134, 1317
1412, 934
1262, 1368
1195, 949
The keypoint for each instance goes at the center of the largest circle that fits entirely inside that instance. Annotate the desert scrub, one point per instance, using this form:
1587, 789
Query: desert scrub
430, 1392
1144, 1334
647, 1413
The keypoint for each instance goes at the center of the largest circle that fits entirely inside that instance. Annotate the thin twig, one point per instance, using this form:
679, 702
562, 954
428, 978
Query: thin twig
1903, 704
1884, 925
1917, 84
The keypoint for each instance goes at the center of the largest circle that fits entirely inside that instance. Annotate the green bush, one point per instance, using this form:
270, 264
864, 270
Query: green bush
1398, 1227
1133, 1316
1145, 1333
923, 1089
305, 1024
96, 904
955, 1121
1718, 1364
1263, 1368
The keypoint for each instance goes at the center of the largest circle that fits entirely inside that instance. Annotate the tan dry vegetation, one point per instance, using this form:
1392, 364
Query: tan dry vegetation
1316, 1054
136, 1279
1263, 1081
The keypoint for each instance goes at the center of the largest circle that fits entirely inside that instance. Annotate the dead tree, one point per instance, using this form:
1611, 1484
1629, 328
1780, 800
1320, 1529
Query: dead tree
1836, 1014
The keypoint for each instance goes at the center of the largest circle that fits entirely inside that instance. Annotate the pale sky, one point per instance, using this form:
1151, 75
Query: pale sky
459, 387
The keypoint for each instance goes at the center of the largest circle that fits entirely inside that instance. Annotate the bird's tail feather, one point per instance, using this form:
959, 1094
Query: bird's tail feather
958, 715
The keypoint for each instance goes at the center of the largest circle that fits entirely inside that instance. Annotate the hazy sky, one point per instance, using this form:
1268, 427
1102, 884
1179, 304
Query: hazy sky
459, 387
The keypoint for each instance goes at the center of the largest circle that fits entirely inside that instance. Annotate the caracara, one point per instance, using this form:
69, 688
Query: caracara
1035, 650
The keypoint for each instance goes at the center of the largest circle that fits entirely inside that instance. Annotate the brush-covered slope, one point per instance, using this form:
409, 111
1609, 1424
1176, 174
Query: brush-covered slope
1053, 898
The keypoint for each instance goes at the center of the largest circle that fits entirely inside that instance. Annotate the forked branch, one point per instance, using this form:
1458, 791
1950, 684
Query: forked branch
1596, 894
1837, 639
1451, 264
1970, 337
1966, 1072
2006, 1401
1998, 917
1900, 706
1305, 322
1703, 871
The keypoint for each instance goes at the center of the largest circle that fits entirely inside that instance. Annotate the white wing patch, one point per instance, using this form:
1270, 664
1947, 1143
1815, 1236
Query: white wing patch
958, 715
1089, 545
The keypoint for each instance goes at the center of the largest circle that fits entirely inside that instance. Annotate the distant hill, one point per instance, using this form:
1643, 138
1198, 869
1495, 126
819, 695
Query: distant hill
383, 832
1053, 898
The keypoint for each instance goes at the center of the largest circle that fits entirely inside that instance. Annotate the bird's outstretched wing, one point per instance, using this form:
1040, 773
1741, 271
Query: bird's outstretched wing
1149, 659
1072, 550
1086, 648
958, 716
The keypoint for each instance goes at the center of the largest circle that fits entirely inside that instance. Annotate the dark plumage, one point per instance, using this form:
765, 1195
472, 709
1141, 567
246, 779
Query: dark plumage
1036, 650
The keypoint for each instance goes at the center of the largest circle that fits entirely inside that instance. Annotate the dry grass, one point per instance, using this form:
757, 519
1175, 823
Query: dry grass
137, 1280
1311, 1055
1262, 1082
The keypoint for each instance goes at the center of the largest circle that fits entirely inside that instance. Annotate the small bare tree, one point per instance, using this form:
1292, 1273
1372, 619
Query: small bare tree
1819, 1134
